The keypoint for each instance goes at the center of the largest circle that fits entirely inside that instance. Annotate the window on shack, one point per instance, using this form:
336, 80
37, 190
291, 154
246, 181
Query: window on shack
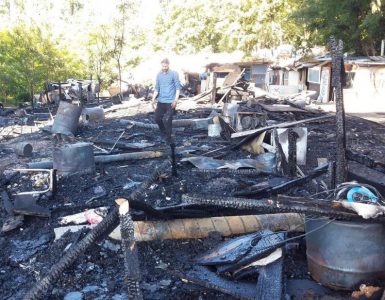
285, 78
314, 75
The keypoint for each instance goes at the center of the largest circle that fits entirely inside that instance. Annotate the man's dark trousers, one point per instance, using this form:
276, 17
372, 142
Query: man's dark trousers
163, 117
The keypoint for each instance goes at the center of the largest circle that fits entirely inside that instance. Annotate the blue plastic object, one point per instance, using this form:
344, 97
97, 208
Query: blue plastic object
361, 194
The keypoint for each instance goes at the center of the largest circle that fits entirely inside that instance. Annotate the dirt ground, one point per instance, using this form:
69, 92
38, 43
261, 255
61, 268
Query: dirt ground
99, 273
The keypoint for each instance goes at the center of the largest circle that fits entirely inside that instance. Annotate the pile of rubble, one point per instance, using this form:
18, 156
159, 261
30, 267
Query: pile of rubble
96, 206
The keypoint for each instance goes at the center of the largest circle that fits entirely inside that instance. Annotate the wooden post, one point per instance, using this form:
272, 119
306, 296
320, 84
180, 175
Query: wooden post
292, 152
337, 69
131, 261
46, 91
214, 91
60, 96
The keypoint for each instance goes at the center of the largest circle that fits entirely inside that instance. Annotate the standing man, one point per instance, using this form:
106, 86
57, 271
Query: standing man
167, 89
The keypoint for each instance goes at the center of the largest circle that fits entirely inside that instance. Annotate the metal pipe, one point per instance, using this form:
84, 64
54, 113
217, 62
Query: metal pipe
129, 156
195, 123
201, 227
47, 164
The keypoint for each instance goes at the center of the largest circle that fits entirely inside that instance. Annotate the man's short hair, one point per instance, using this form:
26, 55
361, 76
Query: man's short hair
165, 61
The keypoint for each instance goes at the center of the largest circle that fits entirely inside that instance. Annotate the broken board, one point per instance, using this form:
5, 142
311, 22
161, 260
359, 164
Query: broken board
280, 108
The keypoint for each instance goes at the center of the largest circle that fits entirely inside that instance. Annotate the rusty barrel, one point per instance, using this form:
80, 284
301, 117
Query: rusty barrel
23, 149
93, 114
342, 255
74, 159
66, 119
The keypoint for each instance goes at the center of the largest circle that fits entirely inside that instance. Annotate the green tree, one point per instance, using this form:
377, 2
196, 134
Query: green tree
267, 24
245, 25
28, 59
356, 22
193, 25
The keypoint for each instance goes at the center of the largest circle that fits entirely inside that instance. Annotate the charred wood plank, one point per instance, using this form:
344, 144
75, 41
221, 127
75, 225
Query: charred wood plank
337, 73
131, 261
254, 132
253, 172
263, 247
284, 186
283, 204
363, 159
367, 175
270, 281
204, 277
292, 152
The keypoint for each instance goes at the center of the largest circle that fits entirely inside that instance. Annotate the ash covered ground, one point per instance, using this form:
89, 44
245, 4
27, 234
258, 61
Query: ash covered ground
28, 252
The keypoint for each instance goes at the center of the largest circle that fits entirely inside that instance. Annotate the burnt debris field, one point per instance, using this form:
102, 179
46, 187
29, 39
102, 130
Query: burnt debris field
242, 210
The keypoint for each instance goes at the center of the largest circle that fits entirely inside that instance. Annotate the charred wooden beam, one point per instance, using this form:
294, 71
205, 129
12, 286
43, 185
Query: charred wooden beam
214, 89
253, 172
204, 277
337, 72
284, 186
363, 174
282, 165
292, 152
173, 160
131, 261
282, 204
363, 159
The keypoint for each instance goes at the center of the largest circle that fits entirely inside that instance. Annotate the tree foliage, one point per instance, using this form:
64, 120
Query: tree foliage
227, 25
28, 59
195, 25
359, 23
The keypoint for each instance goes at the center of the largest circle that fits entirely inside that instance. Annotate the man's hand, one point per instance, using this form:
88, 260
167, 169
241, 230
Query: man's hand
173, 104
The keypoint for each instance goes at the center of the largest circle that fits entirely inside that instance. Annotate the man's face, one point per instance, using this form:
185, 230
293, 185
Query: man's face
164, 67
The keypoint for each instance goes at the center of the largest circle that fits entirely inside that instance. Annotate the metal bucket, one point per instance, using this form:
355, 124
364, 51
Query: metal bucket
93, 114
23, 149
342, 255
66, 119
74, 159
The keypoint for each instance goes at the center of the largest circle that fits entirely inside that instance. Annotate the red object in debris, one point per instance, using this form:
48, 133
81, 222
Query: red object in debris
92, 217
